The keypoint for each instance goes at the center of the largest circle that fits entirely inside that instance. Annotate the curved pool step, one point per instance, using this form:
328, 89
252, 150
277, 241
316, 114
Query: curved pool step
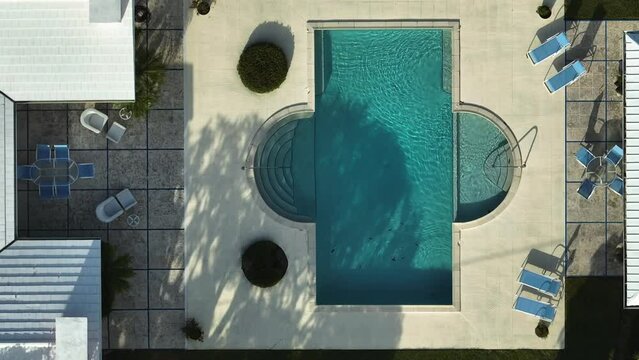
273, 174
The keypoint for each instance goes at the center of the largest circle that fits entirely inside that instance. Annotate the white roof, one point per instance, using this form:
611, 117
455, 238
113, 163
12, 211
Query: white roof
52, 52
632, 167
7, 166
43, 280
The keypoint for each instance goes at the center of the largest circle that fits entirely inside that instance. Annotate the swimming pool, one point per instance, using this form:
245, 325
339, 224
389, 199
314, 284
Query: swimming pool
381, 167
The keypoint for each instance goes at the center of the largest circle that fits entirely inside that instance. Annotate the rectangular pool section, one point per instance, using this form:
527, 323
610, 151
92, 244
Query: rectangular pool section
383, 167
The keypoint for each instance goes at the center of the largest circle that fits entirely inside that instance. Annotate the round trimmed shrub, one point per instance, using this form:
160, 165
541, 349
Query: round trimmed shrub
262, 67
542, 330
264, 263
544, 11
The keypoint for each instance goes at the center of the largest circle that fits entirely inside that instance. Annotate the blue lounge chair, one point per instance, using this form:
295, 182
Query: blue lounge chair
554, 46
615, 155
542, 283
46, 191
616, 185
86, 171
43, 152
568, 75
586, 189
26, 172
62, 191
61, 151
541, 310
584, 156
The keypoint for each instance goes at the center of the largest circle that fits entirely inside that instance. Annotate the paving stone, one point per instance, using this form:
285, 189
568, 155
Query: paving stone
574, 170
585, 121
22, 137
615, 34
166, 329
99, 160
140, 209
47, 127
166, 249
615, 238
166, 289
136, 296
166, 129
586, 247
129, 329
127, 169
167, 44
588, 40
82, 204
166, 209
615, 207
591, 86
81, 137
614, 123
91, 233
580, 209
132, 242
47, 106
172, 91
47, 214
23, 210
166, 168
166, 14
135, 135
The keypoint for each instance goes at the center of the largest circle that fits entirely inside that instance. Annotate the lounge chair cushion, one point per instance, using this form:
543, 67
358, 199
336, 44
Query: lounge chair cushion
126, 199
542, 283
544, 311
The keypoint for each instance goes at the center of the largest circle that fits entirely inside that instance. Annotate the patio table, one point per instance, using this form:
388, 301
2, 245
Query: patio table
601, 171
56, 171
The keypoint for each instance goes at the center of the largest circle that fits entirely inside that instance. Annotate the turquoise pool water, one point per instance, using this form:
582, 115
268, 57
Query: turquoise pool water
383, 167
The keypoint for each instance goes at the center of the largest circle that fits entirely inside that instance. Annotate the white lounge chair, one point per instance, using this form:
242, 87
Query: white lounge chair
93, 120
114, 206
568, 75
553, 46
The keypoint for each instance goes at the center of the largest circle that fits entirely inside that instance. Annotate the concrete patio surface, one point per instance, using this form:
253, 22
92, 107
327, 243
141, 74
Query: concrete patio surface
222, 215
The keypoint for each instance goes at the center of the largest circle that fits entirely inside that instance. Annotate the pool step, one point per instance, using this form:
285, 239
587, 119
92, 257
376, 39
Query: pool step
447, 60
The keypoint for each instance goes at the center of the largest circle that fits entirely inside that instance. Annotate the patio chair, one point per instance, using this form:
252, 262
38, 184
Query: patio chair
46, 191
43, 152
568, 75
617, 186
115, 133
27, 172
554, 46
126, 199
586, 189
93, 120
86, 171
542, 310
114, 206
542, 283
584, 156
62, 191
61, 151
614, 155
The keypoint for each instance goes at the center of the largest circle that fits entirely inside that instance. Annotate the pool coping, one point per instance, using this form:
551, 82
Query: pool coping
457, 106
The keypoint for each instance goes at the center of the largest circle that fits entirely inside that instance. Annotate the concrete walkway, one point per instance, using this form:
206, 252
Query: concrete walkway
222, 215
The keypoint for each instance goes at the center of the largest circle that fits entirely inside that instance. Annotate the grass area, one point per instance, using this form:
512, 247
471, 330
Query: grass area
601, 9
597, 328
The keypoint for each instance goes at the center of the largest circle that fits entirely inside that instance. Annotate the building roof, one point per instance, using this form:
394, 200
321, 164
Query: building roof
52, 52
632, 164
45, 279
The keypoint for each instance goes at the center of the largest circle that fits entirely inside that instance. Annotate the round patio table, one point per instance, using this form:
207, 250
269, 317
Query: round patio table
601, 171
56, 171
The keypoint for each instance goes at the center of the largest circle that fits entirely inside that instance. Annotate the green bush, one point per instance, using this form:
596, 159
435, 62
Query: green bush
542, 330
264, 263
116, 272
544, 11
192, 330
262, 67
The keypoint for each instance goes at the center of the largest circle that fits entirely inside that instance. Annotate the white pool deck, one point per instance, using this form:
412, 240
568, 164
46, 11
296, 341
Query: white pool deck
222, 215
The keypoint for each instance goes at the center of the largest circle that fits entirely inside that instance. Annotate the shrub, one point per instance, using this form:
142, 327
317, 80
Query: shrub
544, 11
542, 330
262, 67
264, 263
116, 272
149, 77
192, 330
